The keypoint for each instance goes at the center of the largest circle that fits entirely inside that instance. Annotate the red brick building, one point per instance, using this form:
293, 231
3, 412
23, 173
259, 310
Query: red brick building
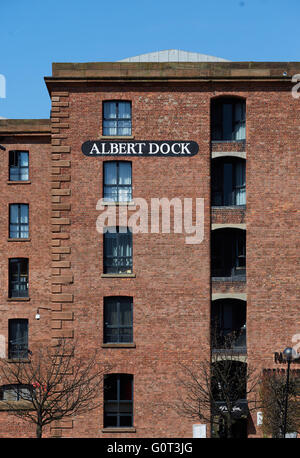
147, 300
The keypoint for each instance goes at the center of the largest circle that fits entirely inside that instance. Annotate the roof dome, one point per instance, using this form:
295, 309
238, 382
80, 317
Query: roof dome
173, 55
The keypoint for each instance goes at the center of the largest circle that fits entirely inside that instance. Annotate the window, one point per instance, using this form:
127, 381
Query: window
228, 119
228, 324
117, 118
228, 250
15, 392
228, 182
117, 181
118, 318
118, 250
118, 401
18, 277
229, 380
19, 221
18, 338
18, 166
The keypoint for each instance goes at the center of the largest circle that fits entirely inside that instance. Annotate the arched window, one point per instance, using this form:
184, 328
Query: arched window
228, 325
228, 253
228, 177
228, 119
229, 380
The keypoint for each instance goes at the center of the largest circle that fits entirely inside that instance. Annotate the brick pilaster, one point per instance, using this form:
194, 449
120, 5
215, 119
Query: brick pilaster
62, 277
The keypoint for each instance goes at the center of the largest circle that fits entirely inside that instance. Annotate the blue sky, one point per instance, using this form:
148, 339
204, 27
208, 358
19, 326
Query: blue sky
35, 33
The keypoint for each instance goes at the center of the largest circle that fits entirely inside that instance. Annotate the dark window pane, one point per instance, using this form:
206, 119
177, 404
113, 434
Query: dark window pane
110, 173
124, 127
117, 181
111, 313
14, 213
19, 220
18, 338
117, 118
228, 182
118, 319
111, 335
125, 312
18, 277
109, 128
124, 176
125, 387
110, 387
110, 110
124, 110
125, 420
125, 335
111, 193
23, 158
119, 412
228, 251
110, 421
228, 119
118, 251
125, 194
18, 165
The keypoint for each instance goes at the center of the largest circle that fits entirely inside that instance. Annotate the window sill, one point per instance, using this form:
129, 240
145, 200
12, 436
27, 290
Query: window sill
17, 360
231, 351
229, 141
228, 207
19, 239
18, 299
229, 279
119, 430
116, 137
19, 182
119, 345
118, 275
16, 405
130, 202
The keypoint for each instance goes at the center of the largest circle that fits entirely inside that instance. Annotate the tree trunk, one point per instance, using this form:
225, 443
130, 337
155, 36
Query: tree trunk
229, 424
38, 431
39, 426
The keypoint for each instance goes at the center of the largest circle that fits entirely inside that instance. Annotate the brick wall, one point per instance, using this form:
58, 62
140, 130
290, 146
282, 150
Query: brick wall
171, 289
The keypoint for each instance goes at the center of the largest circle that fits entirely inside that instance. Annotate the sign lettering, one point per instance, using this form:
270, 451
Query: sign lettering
140, 149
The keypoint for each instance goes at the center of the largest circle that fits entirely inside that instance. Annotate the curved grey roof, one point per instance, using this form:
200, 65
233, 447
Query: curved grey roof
173, 55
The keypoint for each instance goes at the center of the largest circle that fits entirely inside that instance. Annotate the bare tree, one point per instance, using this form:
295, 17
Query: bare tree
273, 394
219, 390
53, 384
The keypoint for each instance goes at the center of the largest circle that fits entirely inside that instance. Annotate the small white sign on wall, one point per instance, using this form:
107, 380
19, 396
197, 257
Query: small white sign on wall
2, 346
259, 419
199, 431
